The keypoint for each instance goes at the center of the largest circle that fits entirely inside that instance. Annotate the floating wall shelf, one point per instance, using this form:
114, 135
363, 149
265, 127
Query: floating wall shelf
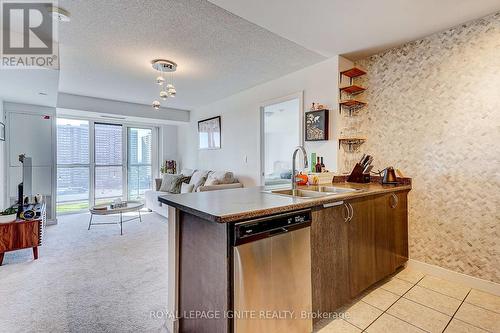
353, 72
352, 103
346, 94
353, 89
352, 144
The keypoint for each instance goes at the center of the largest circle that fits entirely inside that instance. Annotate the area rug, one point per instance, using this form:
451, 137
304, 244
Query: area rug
88, 280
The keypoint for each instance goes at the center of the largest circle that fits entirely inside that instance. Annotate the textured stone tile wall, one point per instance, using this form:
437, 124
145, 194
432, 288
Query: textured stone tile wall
434, 113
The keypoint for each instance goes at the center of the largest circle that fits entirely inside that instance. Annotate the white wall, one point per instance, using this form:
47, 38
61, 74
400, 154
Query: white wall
240, 113
168, 143
3, 163
31, 130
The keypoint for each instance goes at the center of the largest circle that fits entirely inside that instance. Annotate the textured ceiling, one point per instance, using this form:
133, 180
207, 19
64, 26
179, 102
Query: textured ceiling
31, 86
107, 47
357, 27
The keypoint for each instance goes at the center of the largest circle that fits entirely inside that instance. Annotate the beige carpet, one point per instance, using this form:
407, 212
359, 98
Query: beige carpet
88, 281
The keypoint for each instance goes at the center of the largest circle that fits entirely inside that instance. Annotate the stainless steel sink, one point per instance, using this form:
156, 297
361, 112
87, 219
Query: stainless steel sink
301, 193
336, 190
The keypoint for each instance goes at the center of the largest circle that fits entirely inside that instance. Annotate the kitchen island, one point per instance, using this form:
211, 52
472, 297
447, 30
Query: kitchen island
355, 239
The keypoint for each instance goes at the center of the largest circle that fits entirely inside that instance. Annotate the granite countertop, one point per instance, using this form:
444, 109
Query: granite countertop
247, 203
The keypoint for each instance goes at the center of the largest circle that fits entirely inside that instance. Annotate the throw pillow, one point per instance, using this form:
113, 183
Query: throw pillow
198, 178
187, 188
220, 177
187, 172
171, 183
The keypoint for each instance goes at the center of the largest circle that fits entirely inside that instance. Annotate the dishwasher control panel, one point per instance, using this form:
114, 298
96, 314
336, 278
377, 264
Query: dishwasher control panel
272, 224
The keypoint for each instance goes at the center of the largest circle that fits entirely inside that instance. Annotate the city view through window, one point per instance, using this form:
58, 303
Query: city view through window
73, 165
139, 162
81, 183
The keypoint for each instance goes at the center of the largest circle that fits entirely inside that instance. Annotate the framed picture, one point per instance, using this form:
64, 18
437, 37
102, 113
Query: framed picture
316, 125
2, 132
209, 133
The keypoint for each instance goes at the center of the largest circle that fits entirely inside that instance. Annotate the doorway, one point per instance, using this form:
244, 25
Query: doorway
281, 132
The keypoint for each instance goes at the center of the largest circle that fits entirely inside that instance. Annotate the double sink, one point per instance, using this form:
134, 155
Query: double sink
318, 192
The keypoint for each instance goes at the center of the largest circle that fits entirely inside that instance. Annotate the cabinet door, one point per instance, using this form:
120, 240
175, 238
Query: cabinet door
329, 258
361, 235
399, 206
384, 235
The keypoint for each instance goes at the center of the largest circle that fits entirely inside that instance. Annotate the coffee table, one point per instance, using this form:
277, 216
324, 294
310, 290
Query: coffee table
132, 206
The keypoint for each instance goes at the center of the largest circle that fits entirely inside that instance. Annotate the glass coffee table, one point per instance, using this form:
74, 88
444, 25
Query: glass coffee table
132, 206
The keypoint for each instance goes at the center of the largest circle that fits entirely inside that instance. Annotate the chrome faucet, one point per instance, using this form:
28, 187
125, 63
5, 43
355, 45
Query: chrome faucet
294, 169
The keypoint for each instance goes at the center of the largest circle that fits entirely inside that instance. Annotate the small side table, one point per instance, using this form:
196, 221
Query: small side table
20, 235
132, 206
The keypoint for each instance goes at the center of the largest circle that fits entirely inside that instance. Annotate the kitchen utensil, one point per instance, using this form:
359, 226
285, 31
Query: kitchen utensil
368, 168
362, 158
369, 161
389, 176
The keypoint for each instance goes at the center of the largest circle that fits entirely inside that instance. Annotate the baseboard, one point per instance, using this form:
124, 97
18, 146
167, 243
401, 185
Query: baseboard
51, 222
467, 280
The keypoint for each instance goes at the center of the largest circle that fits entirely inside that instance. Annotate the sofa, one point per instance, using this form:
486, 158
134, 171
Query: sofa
191, 180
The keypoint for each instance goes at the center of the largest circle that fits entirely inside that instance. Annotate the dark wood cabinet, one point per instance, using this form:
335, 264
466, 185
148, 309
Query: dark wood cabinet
362, 245
384, 236
349, 255
400, 218
378, 238
329, 261
391, 217
204, 275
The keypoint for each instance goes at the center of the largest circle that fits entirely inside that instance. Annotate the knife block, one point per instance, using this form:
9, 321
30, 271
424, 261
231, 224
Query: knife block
357, 175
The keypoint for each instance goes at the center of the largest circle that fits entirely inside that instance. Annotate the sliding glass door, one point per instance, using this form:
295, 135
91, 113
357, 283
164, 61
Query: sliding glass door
100, 162
139, 162
73, 165
108, 152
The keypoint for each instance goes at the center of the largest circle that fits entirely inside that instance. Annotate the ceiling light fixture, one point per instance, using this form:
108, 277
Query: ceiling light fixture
166, 69
59, 14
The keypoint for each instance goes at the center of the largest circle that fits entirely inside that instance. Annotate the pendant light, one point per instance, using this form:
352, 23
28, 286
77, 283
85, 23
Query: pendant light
164, 80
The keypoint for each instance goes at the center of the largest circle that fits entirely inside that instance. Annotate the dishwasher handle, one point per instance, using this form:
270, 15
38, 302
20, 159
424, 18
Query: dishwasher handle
278, 231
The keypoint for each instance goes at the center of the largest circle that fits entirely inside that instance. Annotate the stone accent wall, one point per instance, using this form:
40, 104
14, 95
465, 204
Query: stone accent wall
434, 112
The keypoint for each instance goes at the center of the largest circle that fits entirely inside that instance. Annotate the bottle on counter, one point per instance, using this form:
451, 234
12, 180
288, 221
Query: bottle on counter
313, 162
318, 166
322, 165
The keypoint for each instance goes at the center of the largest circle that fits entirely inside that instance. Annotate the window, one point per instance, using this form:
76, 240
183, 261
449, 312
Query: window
100, 162
139, 142
108, 162
72, 165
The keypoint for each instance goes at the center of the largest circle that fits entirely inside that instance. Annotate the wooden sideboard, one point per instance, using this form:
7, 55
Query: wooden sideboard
23, 234
20, 235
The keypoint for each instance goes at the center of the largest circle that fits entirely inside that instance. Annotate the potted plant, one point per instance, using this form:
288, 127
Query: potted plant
8, 215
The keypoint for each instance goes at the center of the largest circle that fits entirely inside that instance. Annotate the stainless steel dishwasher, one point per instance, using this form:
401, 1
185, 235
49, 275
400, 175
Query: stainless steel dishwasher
272, 274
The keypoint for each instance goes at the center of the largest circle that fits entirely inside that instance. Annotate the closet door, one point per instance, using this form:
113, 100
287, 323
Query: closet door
31, 134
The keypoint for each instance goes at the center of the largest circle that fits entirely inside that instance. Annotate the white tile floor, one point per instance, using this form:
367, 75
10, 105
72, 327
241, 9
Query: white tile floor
414, 302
